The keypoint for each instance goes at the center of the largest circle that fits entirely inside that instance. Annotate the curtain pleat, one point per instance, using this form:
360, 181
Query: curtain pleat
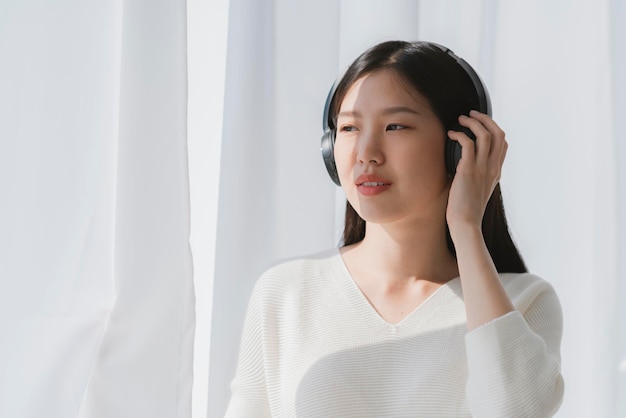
144, 362
96, 292
274, 198
59, 84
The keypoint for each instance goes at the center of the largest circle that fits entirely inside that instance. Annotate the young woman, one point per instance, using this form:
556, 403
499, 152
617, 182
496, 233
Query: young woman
427, 309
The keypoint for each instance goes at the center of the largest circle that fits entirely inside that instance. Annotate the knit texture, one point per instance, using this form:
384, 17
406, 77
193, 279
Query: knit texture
313, 346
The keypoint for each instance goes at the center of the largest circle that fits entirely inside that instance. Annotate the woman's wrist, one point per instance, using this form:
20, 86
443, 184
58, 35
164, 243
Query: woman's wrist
462, 231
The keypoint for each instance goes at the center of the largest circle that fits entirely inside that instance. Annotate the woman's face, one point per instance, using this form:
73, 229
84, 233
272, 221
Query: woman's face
389, 151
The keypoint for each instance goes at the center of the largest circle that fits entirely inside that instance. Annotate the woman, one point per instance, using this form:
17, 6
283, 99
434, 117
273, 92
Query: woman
427, 309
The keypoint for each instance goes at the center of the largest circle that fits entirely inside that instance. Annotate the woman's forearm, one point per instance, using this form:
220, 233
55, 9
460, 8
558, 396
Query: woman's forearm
484, 295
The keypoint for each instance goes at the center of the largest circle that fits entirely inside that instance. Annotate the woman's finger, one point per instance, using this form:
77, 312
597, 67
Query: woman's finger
499, 146
468, 150
487, 122
498, 143
483, 138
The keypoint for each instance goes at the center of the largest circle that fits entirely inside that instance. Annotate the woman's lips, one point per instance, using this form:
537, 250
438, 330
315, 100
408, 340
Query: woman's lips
371, 184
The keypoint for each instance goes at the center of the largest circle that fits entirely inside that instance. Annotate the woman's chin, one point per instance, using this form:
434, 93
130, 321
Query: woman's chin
378, 216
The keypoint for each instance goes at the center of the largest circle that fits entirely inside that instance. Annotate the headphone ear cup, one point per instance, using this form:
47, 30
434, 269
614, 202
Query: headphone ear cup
454, 149
328, 154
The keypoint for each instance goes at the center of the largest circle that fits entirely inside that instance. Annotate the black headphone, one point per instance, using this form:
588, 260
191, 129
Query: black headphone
453, 149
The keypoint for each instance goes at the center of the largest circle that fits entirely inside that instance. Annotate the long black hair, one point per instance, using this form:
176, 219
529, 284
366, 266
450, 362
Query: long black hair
450, 93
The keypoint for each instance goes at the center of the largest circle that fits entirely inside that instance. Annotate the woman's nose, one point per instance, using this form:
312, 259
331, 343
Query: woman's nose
369, 149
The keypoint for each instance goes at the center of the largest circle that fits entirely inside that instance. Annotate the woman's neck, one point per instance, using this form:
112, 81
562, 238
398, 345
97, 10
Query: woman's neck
398, 255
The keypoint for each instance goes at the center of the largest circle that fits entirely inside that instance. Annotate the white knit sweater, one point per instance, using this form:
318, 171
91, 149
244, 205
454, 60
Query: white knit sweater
313, 346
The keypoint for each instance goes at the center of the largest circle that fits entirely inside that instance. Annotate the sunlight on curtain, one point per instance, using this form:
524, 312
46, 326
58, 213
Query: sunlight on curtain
206, 47
96, 294
274, 197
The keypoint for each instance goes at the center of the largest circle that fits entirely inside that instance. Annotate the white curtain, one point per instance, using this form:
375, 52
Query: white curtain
96, 289
96, 296
618, 53
552, 69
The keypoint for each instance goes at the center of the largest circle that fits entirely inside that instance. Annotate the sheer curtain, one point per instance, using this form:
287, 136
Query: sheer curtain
96, 295
96, 287
553, 73
274, 200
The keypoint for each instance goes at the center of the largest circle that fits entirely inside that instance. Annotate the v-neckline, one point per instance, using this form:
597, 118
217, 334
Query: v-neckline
420, 314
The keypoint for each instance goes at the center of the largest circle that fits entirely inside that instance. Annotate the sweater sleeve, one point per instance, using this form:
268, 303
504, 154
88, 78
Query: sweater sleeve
249, 388
514, 361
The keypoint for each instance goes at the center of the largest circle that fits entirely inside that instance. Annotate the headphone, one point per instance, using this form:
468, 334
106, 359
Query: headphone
452, 148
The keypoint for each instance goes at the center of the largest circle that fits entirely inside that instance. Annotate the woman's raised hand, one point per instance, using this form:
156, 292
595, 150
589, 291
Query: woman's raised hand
477, 173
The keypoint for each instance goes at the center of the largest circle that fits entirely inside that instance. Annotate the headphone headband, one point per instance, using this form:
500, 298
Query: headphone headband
484, 101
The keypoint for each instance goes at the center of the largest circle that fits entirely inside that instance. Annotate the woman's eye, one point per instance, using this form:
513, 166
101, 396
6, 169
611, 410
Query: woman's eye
395, 127
347, 128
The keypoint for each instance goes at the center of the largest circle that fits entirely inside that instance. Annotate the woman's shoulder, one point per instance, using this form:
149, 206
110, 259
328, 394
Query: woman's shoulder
292, 273
525, 289
303, 265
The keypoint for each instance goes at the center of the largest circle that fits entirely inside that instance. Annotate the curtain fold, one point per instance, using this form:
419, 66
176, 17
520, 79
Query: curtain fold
207, 24
144, 363
59, 84
281, 61
96, 293
617, 49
